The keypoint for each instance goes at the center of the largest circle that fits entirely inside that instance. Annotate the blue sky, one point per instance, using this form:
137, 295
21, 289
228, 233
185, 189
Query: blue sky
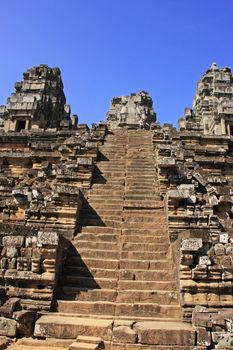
108, 48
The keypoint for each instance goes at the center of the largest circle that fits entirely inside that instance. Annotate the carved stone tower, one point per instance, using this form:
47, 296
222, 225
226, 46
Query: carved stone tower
38, 102
131, 110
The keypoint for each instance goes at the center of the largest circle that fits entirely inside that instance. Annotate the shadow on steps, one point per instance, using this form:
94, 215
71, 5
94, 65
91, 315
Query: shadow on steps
98, 176
89, 216
74, 278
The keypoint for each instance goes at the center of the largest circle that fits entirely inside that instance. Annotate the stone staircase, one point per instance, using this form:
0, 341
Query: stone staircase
119, 279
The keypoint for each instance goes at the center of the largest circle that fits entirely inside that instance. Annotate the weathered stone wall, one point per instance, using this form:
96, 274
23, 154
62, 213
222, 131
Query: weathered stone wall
195, 173
42, 174
29, 268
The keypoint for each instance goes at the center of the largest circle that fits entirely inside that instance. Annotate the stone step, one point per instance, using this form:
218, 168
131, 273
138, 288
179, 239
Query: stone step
99, 199
148, 310
141, 197
68, 327
102, 229
162, 335
109, 180
87, 343
111, 155
110, 167
99, 218
87, 271
100, 222
142, 239
140, 165
145, 264
139, 255
125, 346
84, 294
152, 296
86, 307
99, 187
154, 218
145, 212
105, 205
119, 309
97, 245
108, 191
141, 191
140, 203
83, 346
115, 254
40, 344
126, 274
139, 178
143, 275
146, 226
93, 262
99, 196
88, 282
115, 174
137, 186
87, 212
138, 296
100, 237
113, 146
147, 285
145, 247
154, 231
126, 246
88, 339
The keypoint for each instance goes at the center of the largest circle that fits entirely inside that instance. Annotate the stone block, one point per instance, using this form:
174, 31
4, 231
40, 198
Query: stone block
124, 334
36, 265
165, 333
25, 322
203, 337
13, 241
12, 252
84, 161
11, 305
223, 238
219, 249
47, 238
204, 260
23, 264
8, 327
191, 244
229, 249
30, 241
225, 343
187, 259
12, 263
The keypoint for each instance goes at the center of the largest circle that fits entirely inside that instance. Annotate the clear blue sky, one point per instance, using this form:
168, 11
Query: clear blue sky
107, 48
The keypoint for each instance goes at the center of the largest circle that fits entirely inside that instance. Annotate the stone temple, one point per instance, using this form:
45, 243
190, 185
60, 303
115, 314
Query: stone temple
118, 236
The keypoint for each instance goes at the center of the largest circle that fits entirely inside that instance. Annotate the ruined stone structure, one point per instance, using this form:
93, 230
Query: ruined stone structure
115, 237
37, 103
212, 107
131, 111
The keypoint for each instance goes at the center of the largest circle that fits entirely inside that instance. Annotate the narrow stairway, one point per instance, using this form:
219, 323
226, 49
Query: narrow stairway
120, 266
